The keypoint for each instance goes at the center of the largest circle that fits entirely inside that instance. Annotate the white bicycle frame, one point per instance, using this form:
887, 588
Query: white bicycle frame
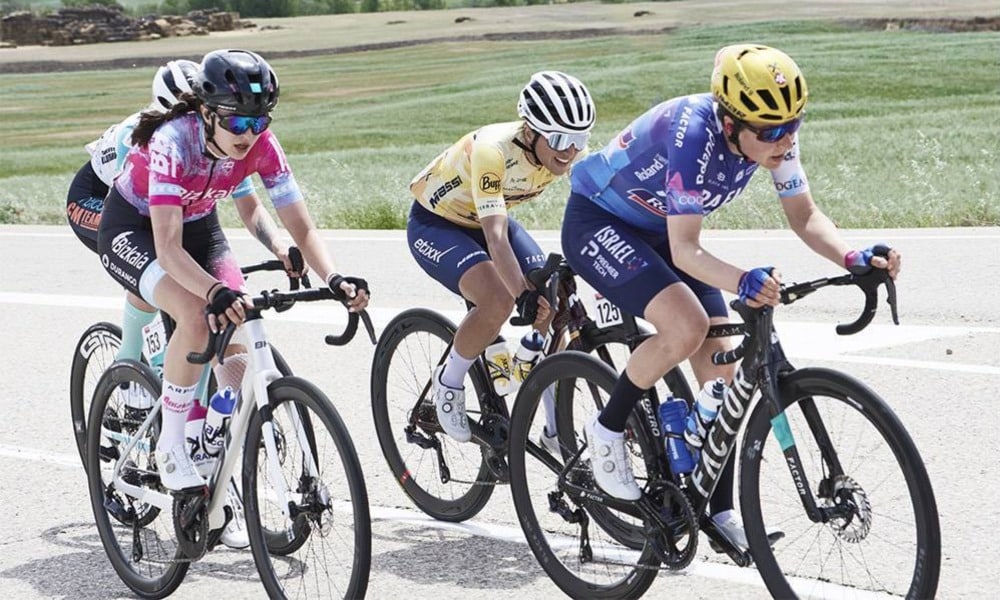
260, 372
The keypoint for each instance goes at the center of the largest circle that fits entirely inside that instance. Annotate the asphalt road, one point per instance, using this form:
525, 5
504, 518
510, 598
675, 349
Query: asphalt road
940, 370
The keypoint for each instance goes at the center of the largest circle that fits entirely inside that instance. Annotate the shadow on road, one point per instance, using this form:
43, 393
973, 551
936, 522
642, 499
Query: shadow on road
432, 556
87, 574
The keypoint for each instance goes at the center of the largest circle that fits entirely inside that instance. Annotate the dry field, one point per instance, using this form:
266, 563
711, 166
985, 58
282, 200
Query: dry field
347, 33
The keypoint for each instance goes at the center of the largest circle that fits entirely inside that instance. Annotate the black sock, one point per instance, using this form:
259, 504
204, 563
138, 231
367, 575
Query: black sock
722, 498
623, 398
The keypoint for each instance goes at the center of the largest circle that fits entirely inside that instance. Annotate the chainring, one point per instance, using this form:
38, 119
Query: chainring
674, 535
192, 538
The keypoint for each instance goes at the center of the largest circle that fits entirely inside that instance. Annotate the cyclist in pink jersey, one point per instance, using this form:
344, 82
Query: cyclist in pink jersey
92, 182
160, 235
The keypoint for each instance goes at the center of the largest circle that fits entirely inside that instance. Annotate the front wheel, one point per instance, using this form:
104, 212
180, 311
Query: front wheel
879, 531
94, 353
315, 477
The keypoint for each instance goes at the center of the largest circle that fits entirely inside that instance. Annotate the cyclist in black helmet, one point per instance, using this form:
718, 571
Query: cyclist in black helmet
160, 236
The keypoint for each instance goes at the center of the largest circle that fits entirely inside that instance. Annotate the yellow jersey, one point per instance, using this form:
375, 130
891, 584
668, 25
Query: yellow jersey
483, 174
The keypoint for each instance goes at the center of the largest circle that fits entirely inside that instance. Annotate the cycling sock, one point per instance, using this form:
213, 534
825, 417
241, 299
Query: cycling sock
722, 499
230, 372
623, 398
176, 400
549, 401
133, 320
455, 368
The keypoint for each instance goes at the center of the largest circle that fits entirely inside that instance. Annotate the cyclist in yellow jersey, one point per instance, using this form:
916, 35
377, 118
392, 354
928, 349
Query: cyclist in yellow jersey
460, 234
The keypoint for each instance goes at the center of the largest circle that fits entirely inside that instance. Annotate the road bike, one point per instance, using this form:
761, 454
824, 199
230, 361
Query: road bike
839, 475
303, 489
98, 347
452, 481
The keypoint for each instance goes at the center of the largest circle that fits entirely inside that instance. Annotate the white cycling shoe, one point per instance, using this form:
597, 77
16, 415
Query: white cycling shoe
731, 525
611, 466
450, 406
177, 472
235, 534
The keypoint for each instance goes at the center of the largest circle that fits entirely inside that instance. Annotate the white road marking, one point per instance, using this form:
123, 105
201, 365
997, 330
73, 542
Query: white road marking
800, 339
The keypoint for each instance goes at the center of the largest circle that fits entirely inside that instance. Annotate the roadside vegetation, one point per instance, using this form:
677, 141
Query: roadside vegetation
901, 131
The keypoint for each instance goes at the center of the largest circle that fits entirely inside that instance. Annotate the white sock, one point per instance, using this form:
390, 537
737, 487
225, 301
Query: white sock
455, 368
549, 402
606, 434
176, 401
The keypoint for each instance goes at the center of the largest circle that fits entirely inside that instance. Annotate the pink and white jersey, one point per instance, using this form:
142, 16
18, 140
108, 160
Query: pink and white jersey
175, 170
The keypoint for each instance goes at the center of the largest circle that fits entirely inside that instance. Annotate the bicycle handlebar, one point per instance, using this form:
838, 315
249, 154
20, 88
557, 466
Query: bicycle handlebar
546, 278
868, 282
298, 263
282, 301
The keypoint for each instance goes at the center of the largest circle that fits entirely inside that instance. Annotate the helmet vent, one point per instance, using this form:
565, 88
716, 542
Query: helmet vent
747, 102
768, 98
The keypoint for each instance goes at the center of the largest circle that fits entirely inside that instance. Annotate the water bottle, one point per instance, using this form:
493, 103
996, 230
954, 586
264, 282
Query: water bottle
220, 410
498, 365
672, 415
528, 353
704, 411
193, 430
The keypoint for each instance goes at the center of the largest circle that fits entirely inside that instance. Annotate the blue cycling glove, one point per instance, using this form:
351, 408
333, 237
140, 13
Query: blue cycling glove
752, 282
859, 262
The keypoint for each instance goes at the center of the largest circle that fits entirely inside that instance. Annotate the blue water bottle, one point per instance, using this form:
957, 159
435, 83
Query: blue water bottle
673, 414
220, 410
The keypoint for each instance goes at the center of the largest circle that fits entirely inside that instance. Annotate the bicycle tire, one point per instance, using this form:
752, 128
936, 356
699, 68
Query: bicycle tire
875, 524
156, 527
545, 528
94, 353
404, 361
320, 506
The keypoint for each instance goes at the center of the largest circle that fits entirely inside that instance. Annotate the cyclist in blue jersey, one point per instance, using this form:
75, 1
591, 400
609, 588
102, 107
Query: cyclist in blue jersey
633, 223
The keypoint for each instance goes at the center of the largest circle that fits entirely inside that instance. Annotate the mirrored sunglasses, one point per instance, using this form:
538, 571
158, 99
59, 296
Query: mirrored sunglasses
239, 124
773, 134
562, 141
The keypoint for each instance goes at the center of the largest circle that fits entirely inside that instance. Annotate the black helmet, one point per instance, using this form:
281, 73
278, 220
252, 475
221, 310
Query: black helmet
237, 80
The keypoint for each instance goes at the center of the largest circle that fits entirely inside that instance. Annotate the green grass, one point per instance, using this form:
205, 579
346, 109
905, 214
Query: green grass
902, 128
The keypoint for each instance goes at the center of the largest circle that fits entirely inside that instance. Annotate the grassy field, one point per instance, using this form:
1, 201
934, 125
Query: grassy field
902, 128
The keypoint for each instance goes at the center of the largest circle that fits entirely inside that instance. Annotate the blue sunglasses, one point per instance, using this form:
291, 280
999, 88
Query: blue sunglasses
770, 135
239, 124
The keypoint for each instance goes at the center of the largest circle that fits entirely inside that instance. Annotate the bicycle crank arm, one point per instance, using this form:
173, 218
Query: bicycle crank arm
722, 544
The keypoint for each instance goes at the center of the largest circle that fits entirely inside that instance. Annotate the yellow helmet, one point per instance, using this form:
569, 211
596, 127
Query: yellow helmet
759, 84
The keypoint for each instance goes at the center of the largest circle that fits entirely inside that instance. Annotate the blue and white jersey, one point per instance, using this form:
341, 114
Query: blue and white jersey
107, 153
673, 160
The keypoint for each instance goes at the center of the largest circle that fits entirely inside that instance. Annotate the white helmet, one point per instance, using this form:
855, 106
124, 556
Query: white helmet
172, 80
554, 102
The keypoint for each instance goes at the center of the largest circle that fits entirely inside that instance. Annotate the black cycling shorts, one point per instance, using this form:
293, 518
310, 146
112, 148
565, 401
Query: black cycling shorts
84, 204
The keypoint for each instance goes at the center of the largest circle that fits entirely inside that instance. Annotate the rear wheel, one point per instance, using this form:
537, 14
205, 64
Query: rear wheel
577, 541
138, 538
881, 531
446, 479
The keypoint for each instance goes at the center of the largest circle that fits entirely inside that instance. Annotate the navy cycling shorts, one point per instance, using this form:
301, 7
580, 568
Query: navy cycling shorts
445, 251
84, 203
628, 266
127, 250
